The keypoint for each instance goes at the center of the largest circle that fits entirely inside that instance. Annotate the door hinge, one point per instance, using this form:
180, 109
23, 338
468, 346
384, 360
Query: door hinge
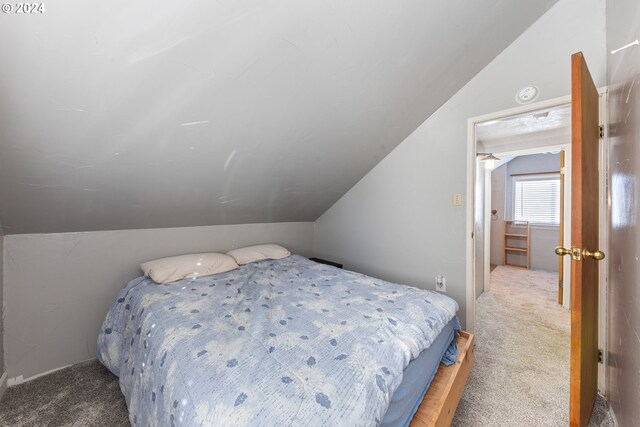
600, 356
601, 127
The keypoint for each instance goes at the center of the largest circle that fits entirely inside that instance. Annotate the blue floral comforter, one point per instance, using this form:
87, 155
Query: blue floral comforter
278, 342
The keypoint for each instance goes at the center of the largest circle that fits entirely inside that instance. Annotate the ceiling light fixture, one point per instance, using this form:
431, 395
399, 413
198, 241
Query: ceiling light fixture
489, 160
527, 94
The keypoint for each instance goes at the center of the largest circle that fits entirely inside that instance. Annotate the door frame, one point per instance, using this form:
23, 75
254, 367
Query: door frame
604, 215
605, 224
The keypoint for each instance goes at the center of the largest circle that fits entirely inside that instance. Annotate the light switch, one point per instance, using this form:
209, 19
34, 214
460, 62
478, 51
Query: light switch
457, 199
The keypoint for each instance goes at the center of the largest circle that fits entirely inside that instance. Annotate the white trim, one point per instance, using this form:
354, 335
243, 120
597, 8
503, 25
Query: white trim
522, 109
19, 379
470, 314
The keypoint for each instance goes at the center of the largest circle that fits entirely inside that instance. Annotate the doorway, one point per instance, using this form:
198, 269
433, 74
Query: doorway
479, 225
478, 248
589, 219
517, 226
523, 131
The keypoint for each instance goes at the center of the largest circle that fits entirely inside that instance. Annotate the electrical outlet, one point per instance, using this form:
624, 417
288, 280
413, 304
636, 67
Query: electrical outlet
457, 199
441, 283
15, 381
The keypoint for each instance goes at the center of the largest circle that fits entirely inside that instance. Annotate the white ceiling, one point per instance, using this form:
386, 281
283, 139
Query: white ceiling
123, 114
557, 119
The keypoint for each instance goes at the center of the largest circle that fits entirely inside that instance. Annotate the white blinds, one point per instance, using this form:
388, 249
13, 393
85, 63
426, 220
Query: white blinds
536, 199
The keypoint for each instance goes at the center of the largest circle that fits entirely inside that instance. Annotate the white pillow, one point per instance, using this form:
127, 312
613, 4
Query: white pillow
258, 253
167, 270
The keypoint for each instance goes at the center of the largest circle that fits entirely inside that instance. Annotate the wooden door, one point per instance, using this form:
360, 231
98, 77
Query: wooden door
584, 237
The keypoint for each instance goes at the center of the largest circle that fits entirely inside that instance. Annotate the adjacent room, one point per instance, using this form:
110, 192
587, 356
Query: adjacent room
525, 230
319, 213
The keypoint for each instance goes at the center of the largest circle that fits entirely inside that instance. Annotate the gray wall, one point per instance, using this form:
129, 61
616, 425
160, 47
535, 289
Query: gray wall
543, 239
623, 388
58, 287
398, 222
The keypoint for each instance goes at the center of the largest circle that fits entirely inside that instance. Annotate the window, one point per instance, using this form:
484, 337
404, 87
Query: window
536, 198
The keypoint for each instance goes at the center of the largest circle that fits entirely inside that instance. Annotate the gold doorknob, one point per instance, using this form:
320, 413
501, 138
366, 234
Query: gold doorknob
597, 255
577, 254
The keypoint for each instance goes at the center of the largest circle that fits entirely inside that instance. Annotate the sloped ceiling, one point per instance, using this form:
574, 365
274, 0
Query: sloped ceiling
121, 114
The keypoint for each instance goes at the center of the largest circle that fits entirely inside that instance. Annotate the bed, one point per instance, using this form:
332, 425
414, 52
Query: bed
285, 342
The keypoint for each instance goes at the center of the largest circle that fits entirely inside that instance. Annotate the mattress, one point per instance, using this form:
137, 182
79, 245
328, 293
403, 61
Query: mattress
418, 375
275, 342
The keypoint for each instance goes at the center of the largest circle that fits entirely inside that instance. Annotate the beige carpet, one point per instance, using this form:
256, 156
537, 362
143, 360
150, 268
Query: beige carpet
521, 371
82, 395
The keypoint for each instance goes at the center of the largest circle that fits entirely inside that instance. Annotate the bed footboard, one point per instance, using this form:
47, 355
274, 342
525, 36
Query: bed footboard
441, 400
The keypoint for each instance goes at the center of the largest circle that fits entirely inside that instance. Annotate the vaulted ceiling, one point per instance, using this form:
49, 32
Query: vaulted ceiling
121, 114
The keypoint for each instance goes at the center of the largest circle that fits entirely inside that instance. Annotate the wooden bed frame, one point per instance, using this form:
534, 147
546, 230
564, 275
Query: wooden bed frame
441, 400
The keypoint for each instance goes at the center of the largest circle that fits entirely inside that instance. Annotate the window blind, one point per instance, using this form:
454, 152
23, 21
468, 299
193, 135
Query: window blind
536, 199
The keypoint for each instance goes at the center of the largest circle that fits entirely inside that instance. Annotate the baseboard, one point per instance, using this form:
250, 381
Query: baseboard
3, 384
10, 382
20, 379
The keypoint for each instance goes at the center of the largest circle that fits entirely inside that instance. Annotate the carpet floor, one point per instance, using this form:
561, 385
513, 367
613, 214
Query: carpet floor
86, 394
521, 371
520, 377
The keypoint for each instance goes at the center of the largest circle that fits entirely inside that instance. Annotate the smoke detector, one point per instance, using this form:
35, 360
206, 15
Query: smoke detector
527, 94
